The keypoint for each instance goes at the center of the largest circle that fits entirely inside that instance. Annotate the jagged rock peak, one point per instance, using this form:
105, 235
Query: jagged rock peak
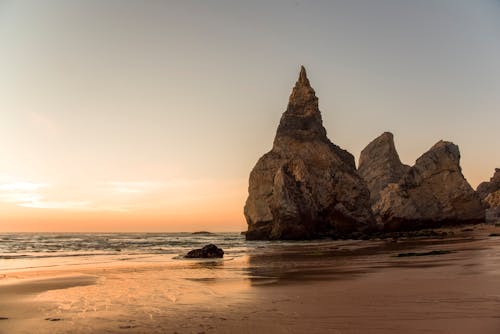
379, 164
495, 178
303, 76
303, 97
444, 155
444, 147
383, 144
488, 187
302, 118
489, 192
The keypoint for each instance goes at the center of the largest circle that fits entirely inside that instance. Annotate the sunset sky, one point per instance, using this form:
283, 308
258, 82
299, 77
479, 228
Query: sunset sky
149, 115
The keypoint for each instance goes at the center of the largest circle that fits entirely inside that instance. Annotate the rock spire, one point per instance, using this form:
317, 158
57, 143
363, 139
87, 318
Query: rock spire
305, 187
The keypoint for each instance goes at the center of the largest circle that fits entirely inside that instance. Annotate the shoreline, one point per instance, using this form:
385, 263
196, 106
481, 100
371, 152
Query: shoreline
338, 287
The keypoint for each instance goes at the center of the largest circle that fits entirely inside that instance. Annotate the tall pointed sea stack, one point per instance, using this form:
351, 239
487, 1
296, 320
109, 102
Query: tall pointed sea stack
305, 187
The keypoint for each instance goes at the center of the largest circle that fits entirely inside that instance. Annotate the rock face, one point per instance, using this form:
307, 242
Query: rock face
379, 165
486, 188
493, 203
305, 187
432, 192
208, 251
493, 199
489, 192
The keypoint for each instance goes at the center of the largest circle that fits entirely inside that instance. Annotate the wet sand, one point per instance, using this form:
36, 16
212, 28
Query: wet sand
349, 286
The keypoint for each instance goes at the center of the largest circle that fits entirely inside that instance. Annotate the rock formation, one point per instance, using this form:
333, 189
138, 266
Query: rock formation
493, 203
486, 188
489, 192
306, 186
379, 165
432, 192
493, 199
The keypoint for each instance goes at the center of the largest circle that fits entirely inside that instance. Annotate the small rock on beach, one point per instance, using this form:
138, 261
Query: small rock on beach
208, 251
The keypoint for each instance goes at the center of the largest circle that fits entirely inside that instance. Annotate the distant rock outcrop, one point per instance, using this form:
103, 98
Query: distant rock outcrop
493, 199
202, 233
486, 188
306, 186
379, 165
493, 203
432, 192
489, 192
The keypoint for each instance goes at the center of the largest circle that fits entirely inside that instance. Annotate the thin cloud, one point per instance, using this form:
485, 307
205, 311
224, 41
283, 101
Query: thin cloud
22, 186
20, 197
28, 194
40, 204
21, 192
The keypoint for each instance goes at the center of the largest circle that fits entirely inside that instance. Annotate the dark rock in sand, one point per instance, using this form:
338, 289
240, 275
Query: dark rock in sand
433, 192
4, 318
208, 251
379, 165
306, 186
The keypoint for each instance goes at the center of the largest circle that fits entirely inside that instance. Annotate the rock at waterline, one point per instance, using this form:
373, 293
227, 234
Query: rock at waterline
207, 252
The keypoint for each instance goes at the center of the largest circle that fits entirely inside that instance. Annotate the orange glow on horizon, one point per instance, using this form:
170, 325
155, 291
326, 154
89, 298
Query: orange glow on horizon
215, 220
191, 208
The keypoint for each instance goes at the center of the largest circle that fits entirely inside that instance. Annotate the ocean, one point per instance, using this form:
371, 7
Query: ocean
20, 251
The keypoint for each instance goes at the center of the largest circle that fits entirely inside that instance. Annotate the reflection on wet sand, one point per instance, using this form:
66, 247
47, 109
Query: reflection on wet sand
314, 287
348, 259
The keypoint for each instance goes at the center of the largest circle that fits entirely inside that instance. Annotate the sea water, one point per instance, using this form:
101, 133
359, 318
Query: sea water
19, 251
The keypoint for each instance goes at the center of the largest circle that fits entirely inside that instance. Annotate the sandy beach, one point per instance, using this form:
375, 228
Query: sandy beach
350, 286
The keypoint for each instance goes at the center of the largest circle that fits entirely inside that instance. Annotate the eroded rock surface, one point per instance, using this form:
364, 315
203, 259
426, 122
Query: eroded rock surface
489, 192
432, 192
493, 210
305, 187
493, 199
488, 187
379, 165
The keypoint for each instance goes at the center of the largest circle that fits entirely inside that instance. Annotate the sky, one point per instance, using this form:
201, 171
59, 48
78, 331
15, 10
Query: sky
150, 115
